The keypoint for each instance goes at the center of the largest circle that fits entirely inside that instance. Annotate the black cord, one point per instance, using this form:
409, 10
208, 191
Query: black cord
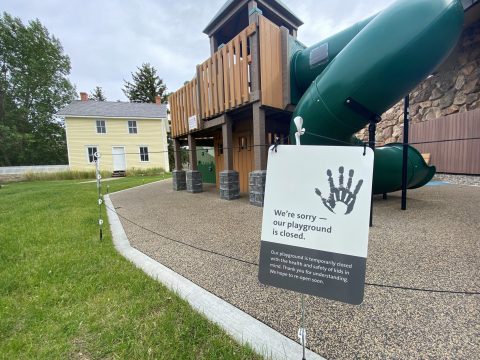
441, 141
189, 150
331, 139
256, 264
425, 290
279, 141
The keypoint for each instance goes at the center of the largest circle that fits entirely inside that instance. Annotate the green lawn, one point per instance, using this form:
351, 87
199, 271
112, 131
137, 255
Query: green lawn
64, 294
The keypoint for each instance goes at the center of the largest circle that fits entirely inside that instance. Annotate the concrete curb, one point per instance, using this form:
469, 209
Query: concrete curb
238, 324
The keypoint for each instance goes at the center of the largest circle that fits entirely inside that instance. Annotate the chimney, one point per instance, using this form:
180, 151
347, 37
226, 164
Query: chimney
158, 100
83, 96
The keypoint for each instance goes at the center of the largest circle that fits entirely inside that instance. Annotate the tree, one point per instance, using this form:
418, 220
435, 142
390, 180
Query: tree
146, 85
97, 94
34, 86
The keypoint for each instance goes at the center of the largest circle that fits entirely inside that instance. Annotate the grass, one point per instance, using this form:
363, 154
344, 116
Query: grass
64, 294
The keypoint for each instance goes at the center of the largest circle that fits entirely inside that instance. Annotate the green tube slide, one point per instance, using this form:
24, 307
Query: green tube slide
373, 65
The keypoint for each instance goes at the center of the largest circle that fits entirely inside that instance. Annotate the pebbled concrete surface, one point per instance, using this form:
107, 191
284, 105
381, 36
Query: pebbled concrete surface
432, 245
241, 326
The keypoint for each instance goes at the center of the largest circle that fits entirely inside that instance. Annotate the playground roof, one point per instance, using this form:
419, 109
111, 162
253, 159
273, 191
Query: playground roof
114, 109
275, 5
280, 7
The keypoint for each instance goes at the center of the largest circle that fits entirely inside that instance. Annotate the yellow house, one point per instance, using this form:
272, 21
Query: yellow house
126, 135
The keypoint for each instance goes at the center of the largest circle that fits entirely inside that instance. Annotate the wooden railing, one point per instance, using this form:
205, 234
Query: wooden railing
184, 105
223, 82
224, 78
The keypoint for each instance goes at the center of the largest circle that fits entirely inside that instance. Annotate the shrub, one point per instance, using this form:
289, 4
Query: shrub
145, 172
64, 175
87, 174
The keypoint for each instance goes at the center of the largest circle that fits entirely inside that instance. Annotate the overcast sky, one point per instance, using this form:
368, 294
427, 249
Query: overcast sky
107, 39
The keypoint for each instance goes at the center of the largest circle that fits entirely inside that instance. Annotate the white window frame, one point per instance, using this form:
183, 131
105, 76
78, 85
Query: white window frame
135, 127
87, 147
104, 126
140, 153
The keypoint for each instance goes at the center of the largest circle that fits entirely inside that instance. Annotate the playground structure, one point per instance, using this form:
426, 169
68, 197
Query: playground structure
242, 98
343, 79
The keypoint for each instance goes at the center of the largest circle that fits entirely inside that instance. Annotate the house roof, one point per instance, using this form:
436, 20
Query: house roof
230, 4
114, 109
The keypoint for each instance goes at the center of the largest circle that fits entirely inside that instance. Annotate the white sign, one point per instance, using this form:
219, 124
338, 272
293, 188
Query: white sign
316, 220
192, 122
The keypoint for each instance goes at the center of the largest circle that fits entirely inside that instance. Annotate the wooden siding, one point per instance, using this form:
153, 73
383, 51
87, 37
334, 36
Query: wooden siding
271, 64
81, 132
460, 157
242, 157
243, 161
183, 104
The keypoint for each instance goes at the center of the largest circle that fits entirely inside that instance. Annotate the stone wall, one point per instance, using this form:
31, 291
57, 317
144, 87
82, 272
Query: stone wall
454, 88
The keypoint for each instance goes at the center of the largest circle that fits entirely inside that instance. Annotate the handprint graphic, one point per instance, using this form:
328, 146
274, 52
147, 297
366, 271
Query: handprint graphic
340, 194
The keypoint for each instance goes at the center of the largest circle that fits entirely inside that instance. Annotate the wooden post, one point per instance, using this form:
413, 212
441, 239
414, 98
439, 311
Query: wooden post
199, 96
213, 44
285, 66
254, 53
259, 137
177, 155
252, 5
227, 143
192, 152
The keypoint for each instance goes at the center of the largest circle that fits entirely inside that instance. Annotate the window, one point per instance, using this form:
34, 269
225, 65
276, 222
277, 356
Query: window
91, 150
101, 129
144, 153
242, 143
132, 127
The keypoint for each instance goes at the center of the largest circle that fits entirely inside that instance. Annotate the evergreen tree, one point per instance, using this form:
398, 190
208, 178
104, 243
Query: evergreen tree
97, 94
33, 87
146, 85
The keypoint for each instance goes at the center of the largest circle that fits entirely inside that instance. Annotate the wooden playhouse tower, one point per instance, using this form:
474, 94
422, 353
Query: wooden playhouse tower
239, 100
